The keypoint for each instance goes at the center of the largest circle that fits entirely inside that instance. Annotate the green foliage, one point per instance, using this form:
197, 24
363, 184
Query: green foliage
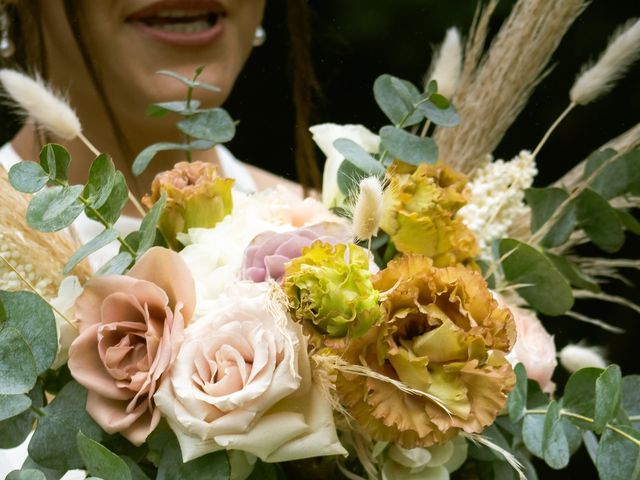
54, 443
101, 181
148, 226
631, 396
357, 165
444, 117
546, 290
190, 83
101, 462
408, 147
544, 202
555, 446
12, 405
143, 159
396, 98
54, 160
26, 475
621, 175
33, 318
183, 107
117, 265
110, 211
55, 208
618, 458
600, 221
576, 277
28, 177
517, 401
104, 238
608, 397
213, 125
13, 431
17, 365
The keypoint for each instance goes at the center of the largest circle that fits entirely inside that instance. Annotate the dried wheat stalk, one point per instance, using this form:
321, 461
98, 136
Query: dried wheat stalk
39, 257
496, 86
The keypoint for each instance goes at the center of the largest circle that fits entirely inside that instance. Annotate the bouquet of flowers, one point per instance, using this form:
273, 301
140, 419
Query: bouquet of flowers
389, 331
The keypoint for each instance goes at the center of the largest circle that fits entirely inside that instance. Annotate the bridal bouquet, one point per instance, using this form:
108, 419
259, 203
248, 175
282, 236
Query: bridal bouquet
389, 331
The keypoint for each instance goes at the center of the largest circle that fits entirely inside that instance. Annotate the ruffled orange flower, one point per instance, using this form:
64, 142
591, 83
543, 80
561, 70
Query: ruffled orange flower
420, 207
445, 338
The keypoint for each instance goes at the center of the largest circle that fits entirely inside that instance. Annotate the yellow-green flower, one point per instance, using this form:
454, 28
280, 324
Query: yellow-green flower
196, 197
442, 335
420, 213
330, 289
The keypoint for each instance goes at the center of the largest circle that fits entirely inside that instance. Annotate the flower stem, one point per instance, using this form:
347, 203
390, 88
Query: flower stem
565, 413
553, 127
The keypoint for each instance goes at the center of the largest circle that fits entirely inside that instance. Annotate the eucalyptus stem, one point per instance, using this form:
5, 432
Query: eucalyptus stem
101, 219
425, 128
553, 127
565, 413
37, 411
30, 286
551, 221
96, 152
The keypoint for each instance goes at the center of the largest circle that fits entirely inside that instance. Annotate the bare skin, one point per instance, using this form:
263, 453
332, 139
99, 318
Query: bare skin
128, 57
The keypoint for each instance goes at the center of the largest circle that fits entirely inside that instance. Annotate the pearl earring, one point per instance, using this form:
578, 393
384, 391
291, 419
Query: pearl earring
259, 37
7, 48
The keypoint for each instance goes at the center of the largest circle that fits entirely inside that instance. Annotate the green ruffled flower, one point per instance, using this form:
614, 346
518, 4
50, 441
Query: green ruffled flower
330, 290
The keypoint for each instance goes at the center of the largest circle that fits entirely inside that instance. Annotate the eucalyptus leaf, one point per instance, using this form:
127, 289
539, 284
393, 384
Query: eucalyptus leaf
618, 458
12, 405
547, 291
600, 221
214, 125
572, 273
112, 208
117, 265
54, 443
27, 474
143, 159
14, 430
348, 179
590, 444
629, 221
543, 203
148, 226
573, 434
359, 157
161, 109
392, 100
33, 318
266, 471
104, 238
517, 401
408, 147
447, 117
631, 396
532, 433
54, 208
608, 397
439, 101
27, 177
17, 365
432, 87
101, 462
101, 181
54, 160
620, 176
579, 395
555, 446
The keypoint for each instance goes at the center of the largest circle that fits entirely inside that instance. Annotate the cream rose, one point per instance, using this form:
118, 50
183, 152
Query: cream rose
68, 292
242, 381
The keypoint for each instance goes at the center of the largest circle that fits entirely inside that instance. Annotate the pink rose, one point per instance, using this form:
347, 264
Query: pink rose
534, 348
269, 252
131, 327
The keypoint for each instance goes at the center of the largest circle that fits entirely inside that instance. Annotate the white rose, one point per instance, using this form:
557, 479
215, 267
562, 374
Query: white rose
324, 135
433, 463
242, 381
69, 290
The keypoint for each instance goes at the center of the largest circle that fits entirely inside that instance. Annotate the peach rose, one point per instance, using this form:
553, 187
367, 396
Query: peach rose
131, 327
534, 348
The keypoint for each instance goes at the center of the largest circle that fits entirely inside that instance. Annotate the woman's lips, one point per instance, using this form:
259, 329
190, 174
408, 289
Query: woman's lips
181, 22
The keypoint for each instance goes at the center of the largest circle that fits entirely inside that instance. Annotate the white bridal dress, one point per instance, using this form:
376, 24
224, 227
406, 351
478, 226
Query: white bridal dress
86, 229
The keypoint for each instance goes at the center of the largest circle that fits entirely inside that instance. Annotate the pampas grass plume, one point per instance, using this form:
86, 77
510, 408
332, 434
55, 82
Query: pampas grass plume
367, 212
48, 110
447, 64
597, 79
575, 357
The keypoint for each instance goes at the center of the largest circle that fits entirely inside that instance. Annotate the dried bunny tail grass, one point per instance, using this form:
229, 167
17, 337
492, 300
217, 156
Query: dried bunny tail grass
446, 67
574, 357
50, 111
367, 211
496, 86
599, 78
37, 256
